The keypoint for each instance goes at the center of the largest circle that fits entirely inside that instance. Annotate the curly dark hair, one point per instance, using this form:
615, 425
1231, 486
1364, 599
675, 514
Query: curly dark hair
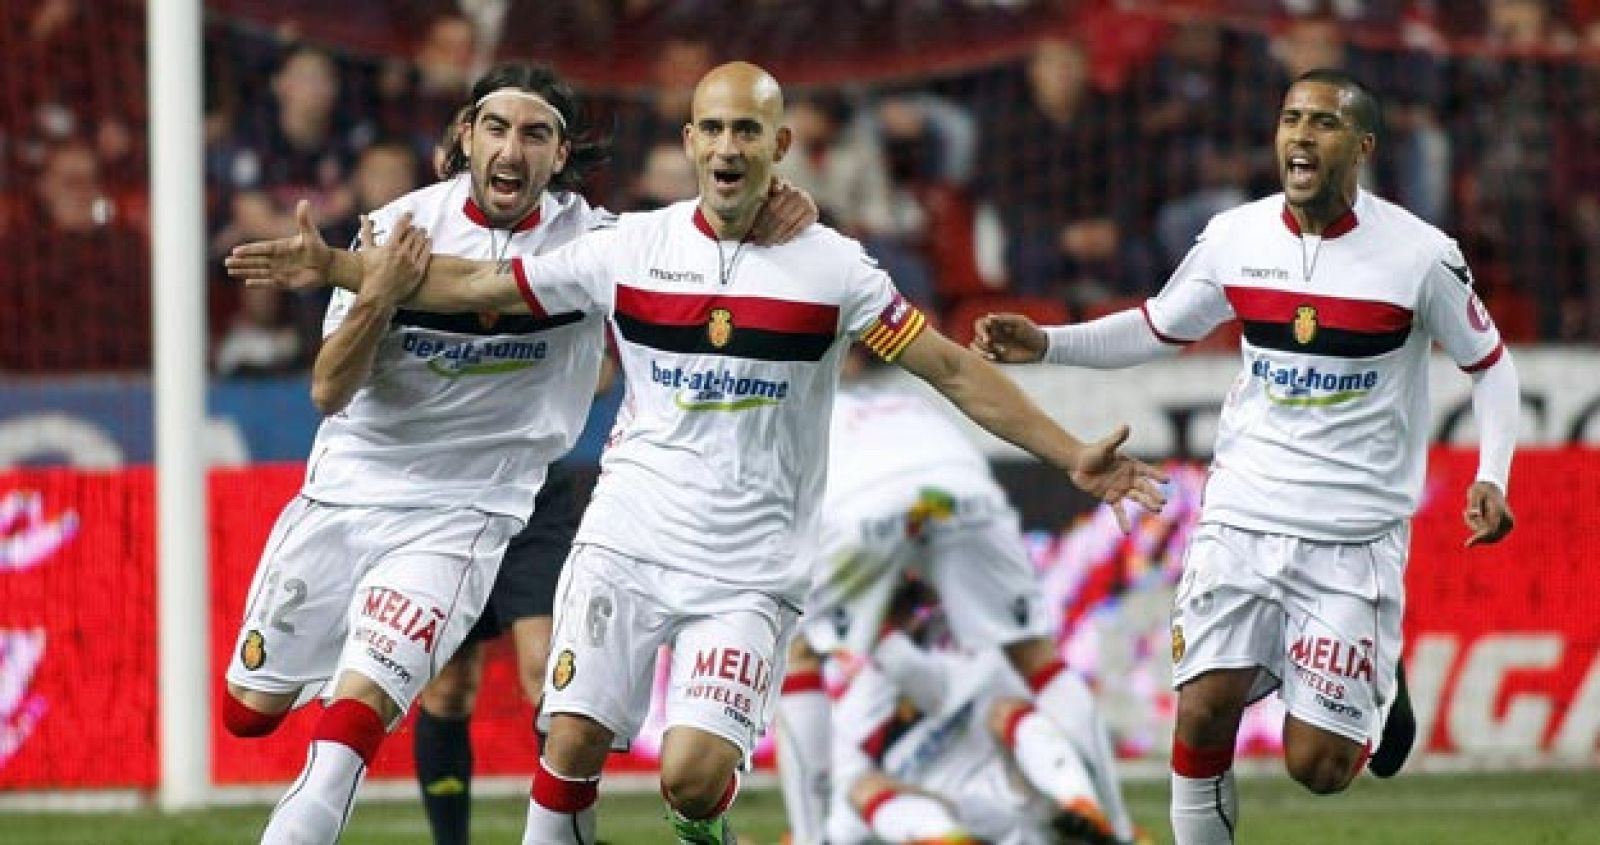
589, 150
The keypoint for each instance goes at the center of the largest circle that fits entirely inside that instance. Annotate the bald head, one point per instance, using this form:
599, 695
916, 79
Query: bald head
744, 86
735, 135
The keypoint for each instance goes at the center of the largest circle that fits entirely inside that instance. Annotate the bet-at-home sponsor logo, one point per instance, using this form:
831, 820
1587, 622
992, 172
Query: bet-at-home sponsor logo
718, 390
1311, 388
476, 357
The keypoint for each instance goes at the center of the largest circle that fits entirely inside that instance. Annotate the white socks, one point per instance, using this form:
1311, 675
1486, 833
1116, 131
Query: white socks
1069, 703
318, 804
1204, 810
804, 739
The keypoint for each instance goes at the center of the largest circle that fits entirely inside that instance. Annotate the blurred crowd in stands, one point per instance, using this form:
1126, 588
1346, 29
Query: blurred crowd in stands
1053, 157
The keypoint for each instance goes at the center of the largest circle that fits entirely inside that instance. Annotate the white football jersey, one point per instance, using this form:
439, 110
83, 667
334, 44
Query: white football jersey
464, 408
887, 443
1324, 433
731, 355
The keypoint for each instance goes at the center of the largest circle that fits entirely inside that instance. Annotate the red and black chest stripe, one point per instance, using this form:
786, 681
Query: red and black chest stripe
1336, 327
754, 327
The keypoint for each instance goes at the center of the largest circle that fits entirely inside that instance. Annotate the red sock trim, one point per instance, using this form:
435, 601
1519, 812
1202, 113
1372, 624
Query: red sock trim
1200, 762
353, 724
728, 794
726, 801
875, 803
1012, 722
799, 682
562, 795
1042, 678
243, 720
1361, 762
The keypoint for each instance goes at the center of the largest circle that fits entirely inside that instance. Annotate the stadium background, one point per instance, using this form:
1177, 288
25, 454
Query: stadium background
1050, 157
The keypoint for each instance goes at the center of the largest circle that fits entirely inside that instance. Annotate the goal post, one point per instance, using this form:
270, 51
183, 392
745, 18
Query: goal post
177, 239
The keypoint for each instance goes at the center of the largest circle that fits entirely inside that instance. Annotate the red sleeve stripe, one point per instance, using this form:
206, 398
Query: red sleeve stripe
749, 312
876, 802
1144, 309
888, 343
1264, 305
1487, 361
526, 290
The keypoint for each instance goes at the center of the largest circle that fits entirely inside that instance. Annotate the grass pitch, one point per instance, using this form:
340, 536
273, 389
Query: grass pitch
1532, 808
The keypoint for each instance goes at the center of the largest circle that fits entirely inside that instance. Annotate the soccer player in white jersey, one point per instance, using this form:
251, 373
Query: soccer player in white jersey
1294, 579
907, 489
429, 460
697, 532
439, 432
930, 742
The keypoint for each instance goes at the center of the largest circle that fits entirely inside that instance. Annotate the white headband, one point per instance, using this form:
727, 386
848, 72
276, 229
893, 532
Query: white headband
526, 95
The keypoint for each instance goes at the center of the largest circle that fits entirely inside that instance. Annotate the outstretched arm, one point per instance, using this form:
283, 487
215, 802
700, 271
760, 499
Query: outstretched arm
999, 405
1118, 340
452, 285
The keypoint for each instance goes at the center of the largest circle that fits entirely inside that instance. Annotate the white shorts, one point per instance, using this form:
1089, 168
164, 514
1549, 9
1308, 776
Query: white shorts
613, 614
385, 592
1320, 620
968, 547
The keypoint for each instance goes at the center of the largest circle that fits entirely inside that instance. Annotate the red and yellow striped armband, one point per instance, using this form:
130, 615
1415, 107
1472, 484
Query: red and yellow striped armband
895, 327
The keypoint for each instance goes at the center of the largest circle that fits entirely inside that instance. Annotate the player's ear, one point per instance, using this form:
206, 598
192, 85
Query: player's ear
1367, 145
563, 150
785, 138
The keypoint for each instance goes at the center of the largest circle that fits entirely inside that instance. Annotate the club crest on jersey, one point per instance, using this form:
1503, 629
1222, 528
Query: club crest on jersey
1178, 645
253, 652
566, 667
719, 327
1305, 324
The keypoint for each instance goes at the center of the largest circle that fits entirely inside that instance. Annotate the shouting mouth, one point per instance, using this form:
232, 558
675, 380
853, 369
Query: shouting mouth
1300, 171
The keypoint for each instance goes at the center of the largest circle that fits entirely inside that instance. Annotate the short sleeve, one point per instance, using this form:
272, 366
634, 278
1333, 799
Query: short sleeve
577, 277
876, 313
338, 306
1453, 315
1193, 301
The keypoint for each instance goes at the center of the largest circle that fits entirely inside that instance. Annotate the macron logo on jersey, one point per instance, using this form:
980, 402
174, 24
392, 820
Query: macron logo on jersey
1292, 387
475, 357
718, 390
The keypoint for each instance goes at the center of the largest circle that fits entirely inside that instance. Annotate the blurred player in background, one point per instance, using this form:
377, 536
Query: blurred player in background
697, 531
1294, 579
440, 432
930, 742
908, 489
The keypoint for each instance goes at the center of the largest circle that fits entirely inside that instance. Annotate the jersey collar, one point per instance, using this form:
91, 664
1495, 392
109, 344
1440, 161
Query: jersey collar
1345, 222
704, 225
476, 215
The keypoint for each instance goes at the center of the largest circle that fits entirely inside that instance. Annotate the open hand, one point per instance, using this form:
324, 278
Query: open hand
1008, 339
787, 212
1488, 516
293, 263
1111, 476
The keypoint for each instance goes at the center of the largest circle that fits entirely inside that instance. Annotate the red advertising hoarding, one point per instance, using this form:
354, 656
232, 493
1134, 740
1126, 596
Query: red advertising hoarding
1503, 643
